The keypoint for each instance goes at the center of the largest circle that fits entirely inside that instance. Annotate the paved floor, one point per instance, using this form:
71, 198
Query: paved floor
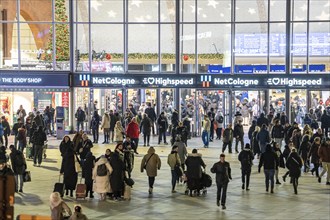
312, 201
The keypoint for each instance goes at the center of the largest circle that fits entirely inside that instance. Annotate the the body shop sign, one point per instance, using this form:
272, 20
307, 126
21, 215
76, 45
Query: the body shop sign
27, 79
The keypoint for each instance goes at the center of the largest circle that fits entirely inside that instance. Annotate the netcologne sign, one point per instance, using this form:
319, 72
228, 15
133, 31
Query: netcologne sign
212, 81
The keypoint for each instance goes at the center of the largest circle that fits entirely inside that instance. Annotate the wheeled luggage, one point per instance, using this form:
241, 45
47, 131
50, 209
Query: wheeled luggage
81, 190
59, 187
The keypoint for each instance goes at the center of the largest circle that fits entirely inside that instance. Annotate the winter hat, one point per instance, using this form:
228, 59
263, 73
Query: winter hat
194, 151
247, 146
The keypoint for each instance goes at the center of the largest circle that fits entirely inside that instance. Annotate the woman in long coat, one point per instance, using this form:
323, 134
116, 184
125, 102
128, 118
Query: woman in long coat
117, 176
118, 133
151, 163
102, 185
87, 173
294, 164
68, 168
194, 164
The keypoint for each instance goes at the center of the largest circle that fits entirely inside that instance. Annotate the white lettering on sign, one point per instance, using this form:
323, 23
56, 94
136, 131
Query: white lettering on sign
110, 80
167, 81
20, 80
294, 82
236, 82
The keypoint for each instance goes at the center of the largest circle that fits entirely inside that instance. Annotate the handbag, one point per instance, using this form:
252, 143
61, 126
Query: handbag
27, 176
178, 169
145, 165
129, 181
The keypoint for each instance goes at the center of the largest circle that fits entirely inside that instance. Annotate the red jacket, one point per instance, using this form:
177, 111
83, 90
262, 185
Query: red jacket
133, 130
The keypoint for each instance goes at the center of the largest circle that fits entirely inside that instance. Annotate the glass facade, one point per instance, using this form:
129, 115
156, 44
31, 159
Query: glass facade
236, 36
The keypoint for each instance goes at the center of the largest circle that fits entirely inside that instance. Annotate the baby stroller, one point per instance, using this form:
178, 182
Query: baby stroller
197, 185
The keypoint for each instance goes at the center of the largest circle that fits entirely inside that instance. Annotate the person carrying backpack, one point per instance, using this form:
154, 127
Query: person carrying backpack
18, 164
101, 173
246, 158
219, 120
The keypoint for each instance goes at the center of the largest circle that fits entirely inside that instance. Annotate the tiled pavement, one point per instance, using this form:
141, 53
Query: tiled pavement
312, 201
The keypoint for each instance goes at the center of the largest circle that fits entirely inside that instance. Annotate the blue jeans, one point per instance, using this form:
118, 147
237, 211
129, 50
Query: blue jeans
269, 175
205, 138
21, 146
20, 177
80, 124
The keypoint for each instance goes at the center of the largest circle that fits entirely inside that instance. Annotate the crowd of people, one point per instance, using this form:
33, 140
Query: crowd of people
306, 148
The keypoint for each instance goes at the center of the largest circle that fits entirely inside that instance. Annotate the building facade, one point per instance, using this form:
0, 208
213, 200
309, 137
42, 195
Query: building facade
233, 55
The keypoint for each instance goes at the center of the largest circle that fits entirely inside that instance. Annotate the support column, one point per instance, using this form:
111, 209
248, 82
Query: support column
158, 102
177, 101
230, 114
266, 106
124, 92
308, 100
71, 110
287, 104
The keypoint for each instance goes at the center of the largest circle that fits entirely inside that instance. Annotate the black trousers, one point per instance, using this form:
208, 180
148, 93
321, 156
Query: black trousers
222, 193
146, 139
162, 134
151, 180
246, 177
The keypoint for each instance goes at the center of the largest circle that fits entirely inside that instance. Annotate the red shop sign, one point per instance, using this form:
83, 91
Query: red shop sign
65, 99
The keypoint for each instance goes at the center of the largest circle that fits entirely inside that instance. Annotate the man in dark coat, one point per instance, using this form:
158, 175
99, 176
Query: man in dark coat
239, 135
194, 164
269, 160
211, 115
152, 115
223, 175
113, 121
80, 117
262, 120
38, 139
162, 126
16, 126
246, 158
325, 123
145, 127
263, 138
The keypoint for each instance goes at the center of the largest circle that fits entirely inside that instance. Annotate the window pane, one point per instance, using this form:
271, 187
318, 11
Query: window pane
299, 47
142, 11
34, 40
142, 50
31, 9
107, 11
299, 12
167, 11
188, 54
214, 11
81, 40
80, 9
277, 10
8, 10
188, 10
319, 47
8, 46
251, 48
108, 48
214, 48
167, 47
277, 48
251, 10
319, 10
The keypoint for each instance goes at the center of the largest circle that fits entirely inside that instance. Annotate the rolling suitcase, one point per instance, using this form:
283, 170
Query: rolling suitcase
59, 187
32, 217
81, 190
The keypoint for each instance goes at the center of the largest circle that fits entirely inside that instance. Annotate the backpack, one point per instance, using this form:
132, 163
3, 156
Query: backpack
220, 119
101, 170
19, 159
246, 161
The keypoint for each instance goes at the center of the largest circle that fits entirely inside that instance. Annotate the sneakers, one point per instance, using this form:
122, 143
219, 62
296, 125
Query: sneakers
218, 203
150, 190
223, 207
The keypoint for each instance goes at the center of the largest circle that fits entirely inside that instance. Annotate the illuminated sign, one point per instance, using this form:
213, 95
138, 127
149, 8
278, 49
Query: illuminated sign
112, 80
168, 81
236, 82
294, 82
34, 80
